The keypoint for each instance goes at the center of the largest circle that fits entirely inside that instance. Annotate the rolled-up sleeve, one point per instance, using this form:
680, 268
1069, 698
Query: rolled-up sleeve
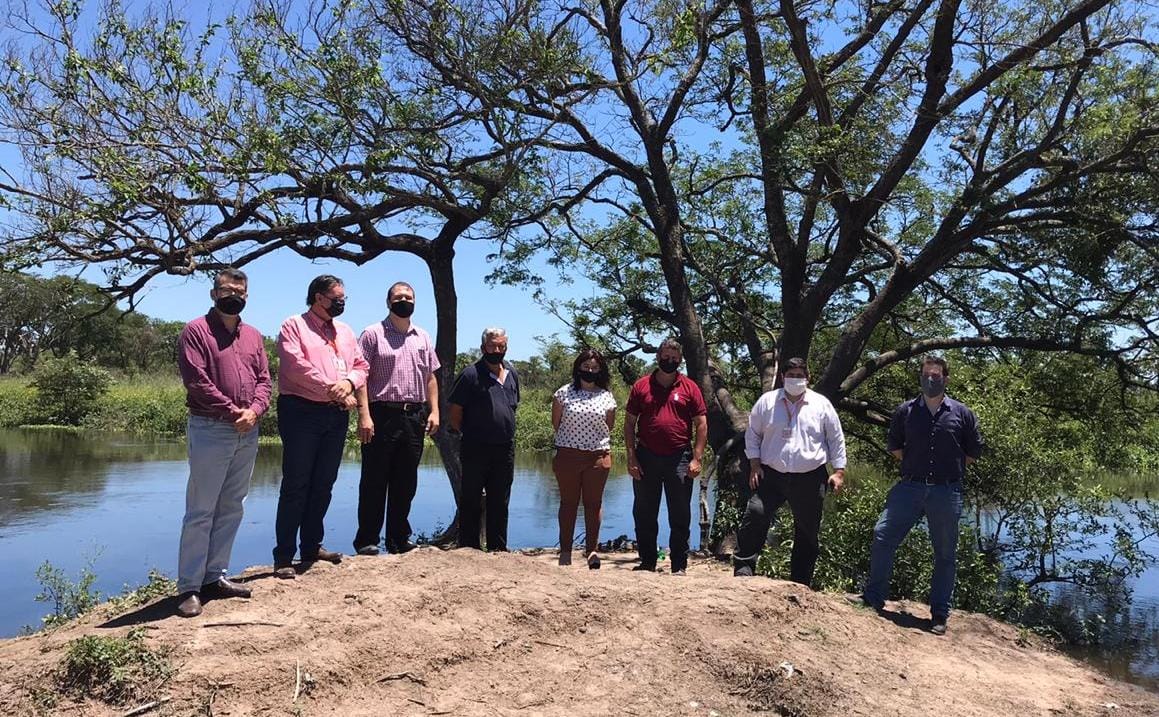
834, 438
263, 388
896, 440
192, 362
972, 444
754, 434
359, 366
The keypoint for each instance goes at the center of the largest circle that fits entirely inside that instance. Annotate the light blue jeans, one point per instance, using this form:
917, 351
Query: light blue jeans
221, 463
907, 502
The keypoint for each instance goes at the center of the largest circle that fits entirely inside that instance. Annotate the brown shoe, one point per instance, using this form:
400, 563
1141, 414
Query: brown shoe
190, 605
223, 588
285, 571
323, 554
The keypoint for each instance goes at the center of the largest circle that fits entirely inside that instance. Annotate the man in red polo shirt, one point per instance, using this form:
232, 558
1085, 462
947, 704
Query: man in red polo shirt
663, 409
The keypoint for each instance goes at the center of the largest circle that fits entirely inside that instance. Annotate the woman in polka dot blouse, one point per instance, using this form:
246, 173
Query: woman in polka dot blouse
583, 413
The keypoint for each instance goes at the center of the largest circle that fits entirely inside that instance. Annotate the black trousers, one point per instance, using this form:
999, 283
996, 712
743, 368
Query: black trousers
313, 437
390, 475
489, 468
805, 494
668, 475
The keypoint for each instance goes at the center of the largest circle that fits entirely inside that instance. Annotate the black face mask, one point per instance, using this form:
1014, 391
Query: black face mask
669, 365
337, 306
933, 386
402, 309
495, 358
230, 305
589, 376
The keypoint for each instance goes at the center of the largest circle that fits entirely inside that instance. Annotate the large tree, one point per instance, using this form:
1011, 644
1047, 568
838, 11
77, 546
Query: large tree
856, 183
151, 147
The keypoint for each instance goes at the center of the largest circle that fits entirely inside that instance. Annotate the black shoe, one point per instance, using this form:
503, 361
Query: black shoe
223, 588
399, 548
643, 567
593, 561
938, 625
367, 550
742, 571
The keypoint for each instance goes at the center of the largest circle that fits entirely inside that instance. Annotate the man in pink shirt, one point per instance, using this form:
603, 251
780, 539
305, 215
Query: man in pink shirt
320, 369
393, 417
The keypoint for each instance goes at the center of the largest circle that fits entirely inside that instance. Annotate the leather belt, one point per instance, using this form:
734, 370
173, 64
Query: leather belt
403, 406
926, 480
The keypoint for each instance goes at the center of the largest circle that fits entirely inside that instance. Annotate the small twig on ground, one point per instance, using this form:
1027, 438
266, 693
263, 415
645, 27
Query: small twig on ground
147, 707
552, 644
417, 702
298, 681
403, 675
244, 624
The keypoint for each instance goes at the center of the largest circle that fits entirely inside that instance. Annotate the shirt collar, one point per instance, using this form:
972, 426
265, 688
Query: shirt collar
317, 322
389, 327
804, 398
217, 324
656, 381
949, 403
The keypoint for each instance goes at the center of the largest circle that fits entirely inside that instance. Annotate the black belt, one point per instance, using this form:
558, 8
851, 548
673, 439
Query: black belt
402, 406
926, 480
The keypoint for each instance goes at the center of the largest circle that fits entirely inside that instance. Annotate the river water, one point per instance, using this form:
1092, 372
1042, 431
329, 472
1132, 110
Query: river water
116, 502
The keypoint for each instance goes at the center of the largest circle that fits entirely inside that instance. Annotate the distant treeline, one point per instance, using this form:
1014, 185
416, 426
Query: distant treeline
58, 316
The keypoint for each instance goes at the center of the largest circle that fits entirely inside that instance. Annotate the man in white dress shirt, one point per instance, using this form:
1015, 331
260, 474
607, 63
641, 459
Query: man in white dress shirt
793, 433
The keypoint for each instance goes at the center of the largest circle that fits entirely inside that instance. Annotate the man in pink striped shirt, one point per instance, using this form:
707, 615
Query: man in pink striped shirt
320, 369
393, 417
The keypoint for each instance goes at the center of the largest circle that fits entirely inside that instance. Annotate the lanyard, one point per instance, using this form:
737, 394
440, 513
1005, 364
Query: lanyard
789, 409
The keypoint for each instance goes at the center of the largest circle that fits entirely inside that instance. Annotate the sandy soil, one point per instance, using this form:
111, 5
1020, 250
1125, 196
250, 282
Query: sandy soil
466, 633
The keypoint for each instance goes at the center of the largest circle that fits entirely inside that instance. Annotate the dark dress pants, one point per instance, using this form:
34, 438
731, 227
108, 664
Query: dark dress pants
490, 468
805, 494
390, 470
313, 437
667, 474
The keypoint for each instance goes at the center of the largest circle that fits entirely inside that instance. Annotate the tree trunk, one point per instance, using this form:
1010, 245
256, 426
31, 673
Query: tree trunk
440, 262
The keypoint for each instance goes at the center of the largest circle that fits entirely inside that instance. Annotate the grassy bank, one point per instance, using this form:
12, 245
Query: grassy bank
156, 405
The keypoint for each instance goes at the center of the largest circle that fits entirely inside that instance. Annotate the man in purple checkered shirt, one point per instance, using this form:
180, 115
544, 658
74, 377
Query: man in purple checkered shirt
398, 406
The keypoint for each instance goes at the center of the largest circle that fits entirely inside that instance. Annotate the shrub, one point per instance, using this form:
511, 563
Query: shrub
158, 585
69, 389
70, 599
17, 403
112, 669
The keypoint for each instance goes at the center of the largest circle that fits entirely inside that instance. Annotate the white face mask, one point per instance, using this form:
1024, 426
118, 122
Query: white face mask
795, 386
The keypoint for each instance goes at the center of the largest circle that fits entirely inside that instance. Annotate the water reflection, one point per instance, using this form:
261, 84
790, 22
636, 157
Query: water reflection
117, 501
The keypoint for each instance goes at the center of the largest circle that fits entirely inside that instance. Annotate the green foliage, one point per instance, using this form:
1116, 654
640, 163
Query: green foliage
148, 405
17, 402
69, 598
157, 586
112, 669
533, 431
69, 389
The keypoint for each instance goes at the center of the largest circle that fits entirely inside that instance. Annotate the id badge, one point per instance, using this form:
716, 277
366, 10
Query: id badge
340, 366
786, 433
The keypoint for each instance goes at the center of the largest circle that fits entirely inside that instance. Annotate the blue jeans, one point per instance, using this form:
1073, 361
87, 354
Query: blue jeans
313, 438
905, 505
221, 462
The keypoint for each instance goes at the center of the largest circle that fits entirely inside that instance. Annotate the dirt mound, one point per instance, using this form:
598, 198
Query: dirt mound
467, 633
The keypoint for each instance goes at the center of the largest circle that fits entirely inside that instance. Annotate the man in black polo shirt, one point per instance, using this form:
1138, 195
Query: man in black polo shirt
482, 406
935, 438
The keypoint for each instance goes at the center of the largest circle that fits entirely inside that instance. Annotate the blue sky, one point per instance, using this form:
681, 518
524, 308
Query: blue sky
278, 289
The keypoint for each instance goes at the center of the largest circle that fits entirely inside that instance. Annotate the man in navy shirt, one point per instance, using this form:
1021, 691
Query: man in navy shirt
482, 407
935, 438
